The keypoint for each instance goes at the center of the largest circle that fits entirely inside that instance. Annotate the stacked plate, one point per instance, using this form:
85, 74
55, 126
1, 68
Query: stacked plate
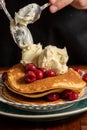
43, 111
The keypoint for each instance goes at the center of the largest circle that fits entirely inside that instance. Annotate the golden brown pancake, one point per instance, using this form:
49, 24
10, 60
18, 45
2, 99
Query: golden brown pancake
41, 94
13, 97
15, 82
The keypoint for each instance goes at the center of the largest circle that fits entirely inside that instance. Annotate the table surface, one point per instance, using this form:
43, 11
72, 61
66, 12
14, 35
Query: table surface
75, 122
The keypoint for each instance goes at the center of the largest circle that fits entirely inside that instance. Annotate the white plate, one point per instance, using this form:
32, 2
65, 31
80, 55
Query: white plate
35, 107
77, 108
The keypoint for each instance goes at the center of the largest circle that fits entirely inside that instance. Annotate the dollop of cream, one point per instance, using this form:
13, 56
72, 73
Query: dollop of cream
31, 54
54, 58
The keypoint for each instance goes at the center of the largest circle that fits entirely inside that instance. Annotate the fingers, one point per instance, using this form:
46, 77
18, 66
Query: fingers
79, 4
58, 4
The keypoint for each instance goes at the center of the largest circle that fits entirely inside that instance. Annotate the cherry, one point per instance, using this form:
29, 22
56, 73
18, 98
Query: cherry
85, 77
4, 75
38, 73
79, 71
69, 94
73, 96
30, 66
30, 76
52, 97
49, 73
43, 70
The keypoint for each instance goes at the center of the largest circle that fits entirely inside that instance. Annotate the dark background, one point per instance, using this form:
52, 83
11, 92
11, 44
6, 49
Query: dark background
67, 27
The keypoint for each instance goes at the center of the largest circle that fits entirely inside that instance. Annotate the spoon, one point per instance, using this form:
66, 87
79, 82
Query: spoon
38, 10
29, 14
21, 36
5, 10
18, 26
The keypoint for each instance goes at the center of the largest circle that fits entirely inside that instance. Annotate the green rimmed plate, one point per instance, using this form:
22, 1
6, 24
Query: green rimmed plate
10, 111
44, 107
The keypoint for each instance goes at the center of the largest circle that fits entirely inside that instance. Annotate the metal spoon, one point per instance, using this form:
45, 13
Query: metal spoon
38, 10
21, 37
5, 10
29, 14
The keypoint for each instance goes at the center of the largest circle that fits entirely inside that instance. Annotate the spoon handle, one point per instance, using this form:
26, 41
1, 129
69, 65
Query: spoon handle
44, 6
5, 10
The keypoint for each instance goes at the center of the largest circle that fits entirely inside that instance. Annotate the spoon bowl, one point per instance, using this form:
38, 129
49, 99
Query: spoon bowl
29, 14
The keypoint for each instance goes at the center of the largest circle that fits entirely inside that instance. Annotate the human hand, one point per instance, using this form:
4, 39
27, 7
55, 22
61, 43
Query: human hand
79, 4
59, 4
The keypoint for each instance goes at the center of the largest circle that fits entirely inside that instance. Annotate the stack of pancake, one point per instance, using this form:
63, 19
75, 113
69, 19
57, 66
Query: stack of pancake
17, 90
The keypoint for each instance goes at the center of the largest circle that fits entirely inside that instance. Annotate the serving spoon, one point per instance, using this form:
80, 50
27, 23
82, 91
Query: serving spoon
21, 34
36, 9
18, 35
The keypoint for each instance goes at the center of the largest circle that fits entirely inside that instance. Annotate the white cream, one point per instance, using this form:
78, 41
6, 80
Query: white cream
21, 35
31, 54
54, 58
26, 15
50, 57
18, 27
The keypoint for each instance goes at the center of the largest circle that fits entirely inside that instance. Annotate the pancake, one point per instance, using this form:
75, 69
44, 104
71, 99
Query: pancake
34, 95
40, 94
39, 88
13, 97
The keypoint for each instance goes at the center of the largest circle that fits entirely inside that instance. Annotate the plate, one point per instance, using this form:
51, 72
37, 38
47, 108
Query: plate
42, 107
77, 108
45, 107
36, 107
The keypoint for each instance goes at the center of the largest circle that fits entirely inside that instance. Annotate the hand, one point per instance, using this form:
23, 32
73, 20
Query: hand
59, 4
79, 4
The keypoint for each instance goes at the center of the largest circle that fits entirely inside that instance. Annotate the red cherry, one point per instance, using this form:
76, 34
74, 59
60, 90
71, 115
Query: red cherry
30, 66
30, 76
43, 70
52, 97
4, 75
69, 94
79, 71
73, 95
39, 74
49, 73
85, 77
